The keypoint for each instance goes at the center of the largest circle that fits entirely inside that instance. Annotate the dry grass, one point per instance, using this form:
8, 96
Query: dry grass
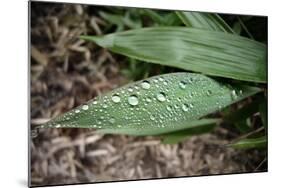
65, 72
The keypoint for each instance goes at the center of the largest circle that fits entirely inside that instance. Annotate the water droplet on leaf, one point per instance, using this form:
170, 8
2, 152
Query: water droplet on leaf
233, 94
152, 117
145, 85
169, 108
58, 126
116, 98
112, 120
185, 107
85, 107
133, 100
182, 85
161, 97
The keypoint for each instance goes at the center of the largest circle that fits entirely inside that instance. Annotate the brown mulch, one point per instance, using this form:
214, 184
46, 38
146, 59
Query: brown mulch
66, 72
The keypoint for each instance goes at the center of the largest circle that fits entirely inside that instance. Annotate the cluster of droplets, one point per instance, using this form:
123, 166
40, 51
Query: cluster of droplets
135, 99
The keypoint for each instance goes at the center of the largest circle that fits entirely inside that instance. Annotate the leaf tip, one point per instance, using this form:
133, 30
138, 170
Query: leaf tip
103, 41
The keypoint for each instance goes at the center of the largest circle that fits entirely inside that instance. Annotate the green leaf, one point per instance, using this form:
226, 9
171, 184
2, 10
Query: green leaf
263, 112
209, 52
165, 19
202, 126
156, 105
183, 127
208, 21
250, 143
242, 113
120, 20
237, 28
242, 126
156, 17
245, 28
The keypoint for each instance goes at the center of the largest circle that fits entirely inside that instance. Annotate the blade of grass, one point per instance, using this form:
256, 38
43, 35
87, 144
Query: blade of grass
120, 20
263, 112
206, 126
245, 28
250, 143
237, 28
242, 113
208, 21
209, 52
242, 126
156, 105
164, 19
192, 127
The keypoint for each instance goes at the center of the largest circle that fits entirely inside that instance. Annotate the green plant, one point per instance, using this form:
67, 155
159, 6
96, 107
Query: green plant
228, 68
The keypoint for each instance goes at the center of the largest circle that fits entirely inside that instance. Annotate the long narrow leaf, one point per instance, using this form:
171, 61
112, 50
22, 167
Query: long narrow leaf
249, 143
209, 52
182, 128
212, 22
203, 126
159, 104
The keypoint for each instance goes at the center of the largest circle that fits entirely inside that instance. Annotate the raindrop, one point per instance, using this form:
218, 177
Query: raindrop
115, 98
95, 102
145, 85
85, 107
112, 120
209, 92
240, 92
130, 90
58, 126
104, 106
133, 100
161, 79
161, 97
148, 100
165, 83
191, 95
152, 117
182, 85
77, 111
127, 118
169, 108
185, 107
233, 94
